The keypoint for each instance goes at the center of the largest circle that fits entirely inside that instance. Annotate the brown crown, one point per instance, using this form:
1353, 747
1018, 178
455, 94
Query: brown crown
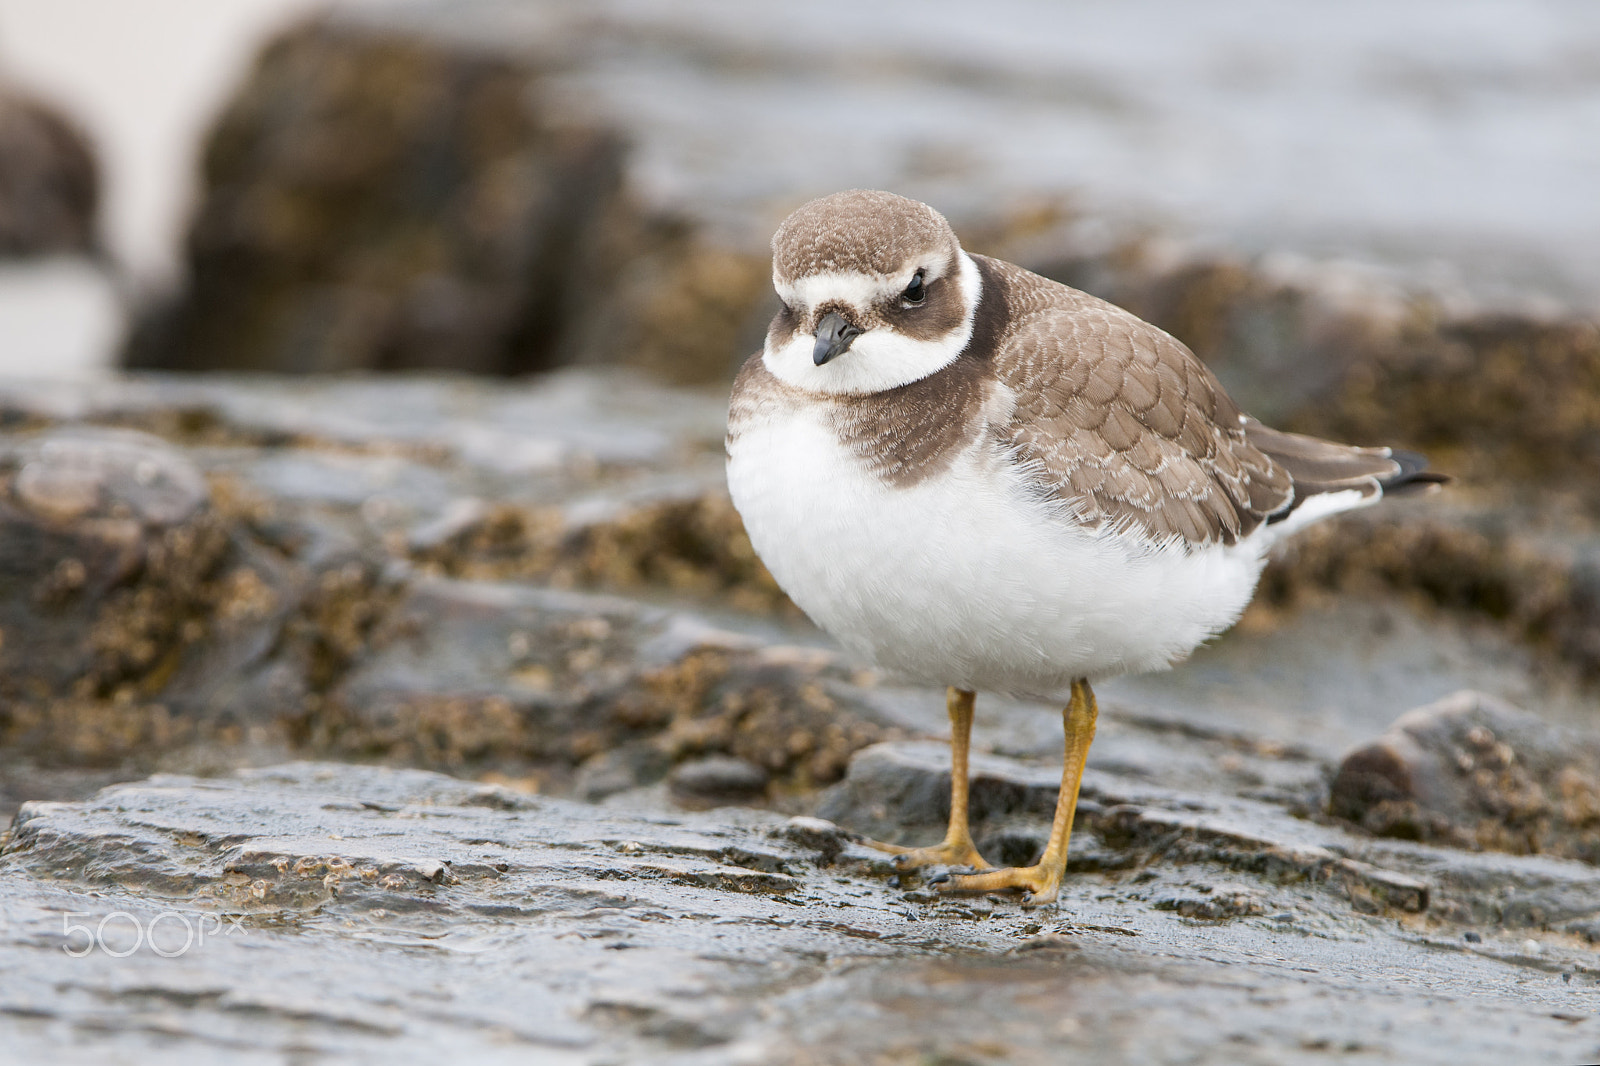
860, 230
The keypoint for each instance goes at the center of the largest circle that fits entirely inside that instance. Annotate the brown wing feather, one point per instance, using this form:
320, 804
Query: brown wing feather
1121, 421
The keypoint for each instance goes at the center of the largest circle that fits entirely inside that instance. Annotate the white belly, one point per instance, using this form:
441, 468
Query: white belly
965, 578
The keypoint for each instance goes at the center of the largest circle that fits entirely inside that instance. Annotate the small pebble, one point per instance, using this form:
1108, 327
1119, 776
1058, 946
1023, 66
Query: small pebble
1532, 947
1472, 938
717, 781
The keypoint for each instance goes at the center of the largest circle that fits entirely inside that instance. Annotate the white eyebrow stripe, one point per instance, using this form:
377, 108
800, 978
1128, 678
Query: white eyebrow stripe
853, 287
856, 289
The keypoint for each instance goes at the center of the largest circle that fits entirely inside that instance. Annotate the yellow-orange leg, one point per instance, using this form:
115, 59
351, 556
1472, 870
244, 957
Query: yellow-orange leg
1041, 883
957, 848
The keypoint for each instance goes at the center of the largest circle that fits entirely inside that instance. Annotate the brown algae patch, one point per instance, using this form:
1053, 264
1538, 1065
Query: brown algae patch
698, 547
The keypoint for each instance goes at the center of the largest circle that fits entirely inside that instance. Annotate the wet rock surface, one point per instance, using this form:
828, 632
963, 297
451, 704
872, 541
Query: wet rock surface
360, 565
539, 588
326, 575
335, 911
109, 573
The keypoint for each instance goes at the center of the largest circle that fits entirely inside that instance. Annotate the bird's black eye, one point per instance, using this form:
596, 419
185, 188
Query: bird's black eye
916, 290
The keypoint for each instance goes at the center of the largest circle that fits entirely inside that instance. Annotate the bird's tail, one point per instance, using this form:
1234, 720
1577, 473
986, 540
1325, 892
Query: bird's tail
1329, 478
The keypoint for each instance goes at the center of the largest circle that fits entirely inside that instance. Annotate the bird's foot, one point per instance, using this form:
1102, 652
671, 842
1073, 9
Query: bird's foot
960, 853
1037, 884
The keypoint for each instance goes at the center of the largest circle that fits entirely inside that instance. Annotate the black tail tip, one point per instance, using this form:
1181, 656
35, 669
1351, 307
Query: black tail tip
1413, 476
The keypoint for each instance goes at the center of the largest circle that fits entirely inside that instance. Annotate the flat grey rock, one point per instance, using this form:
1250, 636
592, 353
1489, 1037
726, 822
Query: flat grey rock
717, 781
898, 792
358, 912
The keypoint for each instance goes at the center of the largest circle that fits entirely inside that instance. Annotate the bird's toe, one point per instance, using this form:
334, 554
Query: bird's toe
1037, 884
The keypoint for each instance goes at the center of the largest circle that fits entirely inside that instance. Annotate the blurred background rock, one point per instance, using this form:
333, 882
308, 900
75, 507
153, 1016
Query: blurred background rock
1376, 238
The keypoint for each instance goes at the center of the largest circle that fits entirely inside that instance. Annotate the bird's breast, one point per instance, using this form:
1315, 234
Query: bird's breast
965, 576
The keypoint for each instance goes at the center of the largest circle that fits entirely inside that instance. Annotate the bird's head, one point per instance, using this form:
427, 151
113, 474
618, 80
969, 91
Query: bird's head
876, 293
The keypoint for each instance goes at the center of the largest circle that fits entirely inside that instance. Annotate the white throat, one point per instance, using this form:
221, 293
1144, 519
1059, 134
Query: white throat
880, 358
